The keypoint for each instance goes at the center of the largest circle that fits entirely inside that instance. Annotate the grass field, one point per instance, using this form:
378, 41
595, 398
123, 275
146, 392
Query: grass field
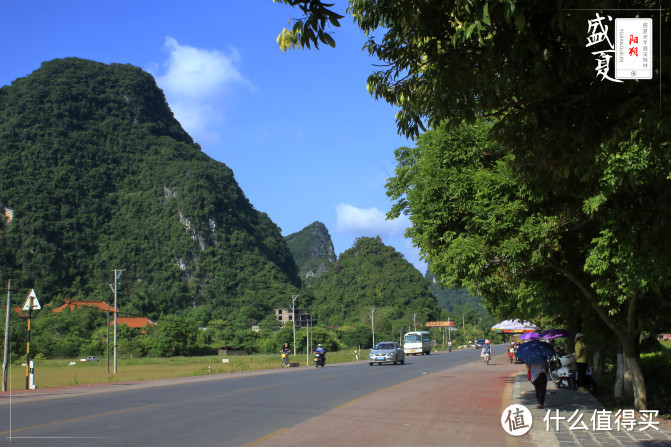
58, 372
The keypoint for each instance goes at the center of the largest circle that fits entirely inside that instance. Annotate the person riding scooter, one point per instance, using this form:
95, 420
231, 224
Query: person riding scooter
486, 352
320, 356
285, 355
512, 349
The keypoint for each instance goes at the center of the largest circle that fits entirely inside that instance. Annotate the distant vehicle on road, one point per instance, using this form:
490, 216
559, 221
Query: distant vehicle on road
386, 352
417, 342
479, 343
90, 358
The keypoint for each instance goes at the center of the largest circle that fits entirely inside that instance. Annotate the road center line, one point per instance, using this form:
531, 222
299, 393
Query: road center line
82, 418
256, 388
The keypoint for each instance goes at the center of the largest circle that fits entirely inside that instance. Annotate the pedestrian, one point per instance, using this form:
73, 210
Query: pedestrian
581, 361
486, 353
540, 381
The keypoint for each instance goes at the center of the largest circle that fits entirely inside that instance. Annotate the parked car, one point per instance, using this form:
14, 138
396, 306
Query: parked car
479, 343
91, 358
386, 352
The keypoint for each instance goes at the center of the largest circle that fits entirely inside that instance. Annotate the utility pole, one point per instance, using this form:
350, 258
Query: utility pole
293, 318
307, 342
117, 274
5, 361
372, 321
414, 320
108, 338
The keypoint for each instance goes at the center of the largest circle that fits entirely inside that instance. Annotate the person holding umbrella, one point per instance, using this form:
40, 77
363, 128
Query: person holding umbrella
540, 381
535, 354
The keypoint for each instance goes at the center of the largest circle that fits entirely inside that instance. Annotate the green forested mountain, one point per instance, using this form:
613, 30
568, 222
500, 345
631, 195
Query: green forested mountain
371, 274
96, 174
454, 300
313, 251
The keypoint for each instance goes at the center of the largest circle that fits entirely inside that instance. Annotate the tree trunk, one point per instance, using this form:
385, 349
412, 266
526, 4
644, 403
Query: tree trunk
627, 335
597, 363
627, 381
633, 372
618, 390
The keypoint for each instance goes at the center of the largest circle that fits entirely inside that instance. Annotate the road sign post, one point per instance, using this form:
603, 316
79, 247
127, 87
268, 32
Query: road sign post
30, 304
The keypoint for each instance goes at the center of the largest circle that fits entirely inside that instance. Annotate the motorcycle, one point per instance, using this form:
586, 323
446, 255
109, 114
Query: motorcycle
563, 370
320, 360
449, 348
285, 360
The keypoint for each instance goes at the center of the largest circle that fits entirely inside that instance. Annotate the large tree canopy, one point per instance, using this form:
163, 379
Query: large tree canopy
479, 224
525, 62
570, 185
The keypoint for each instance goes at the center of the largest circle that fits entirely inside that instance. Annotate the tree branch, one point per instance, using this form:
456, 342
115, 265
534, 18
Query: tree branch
590, 297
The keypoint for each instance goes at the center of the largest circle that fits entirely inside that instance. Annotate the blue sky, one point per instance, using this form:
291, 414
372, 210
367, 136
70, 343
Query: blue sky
305, 140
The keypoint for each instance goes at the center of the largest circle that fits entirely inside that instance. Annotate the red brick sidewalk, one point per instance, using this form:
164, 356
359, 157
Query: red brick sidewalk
460, 406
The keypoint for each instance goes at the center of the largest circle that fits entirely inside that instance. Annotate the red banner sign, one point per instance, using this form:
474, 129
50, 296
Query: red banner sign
439, 323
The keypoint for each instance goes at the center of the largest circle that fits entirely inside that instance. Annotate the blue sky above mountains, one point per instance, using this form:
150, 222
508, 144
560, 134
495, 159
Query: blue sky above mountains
304, 138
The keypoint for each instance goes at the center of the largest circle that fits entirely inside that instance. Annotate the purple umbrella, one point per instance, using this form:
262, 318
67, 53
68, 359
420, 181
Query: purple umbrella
535, 351
551, 334
529, 336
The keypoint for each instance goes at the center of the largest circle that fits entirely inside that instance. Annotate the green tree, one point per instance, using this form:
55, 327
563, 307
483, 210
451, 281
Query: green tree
527, 65
480, 225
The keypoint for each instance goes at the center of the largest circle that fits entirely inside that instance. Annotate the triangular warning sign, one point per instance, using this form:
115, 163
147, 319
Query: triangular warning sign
31, 301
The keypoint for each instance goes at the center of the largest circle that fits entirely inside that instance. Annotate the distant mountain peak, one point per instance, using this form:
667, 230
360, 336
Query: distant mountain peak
312, 249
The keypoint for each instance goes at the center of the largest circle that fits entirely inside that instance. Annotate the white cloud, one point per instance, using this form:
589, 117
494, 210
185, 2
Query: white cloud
368, 222
194, 81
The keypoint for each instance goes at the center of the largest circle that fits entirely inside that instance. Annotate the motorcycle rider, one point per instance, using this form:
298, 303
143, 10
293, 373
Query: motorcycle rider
286, 350
449, 346
511, 351
321, 352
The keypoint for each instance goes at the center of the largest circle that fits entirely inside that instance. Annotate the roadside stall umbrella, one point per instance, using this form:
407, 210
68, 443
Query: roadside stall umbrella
529, 336
551, 334
535, 351
514, 327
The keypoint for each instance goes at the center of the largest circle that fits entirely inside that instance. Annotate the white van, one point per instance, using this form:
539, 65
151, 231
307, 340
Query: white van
417, 342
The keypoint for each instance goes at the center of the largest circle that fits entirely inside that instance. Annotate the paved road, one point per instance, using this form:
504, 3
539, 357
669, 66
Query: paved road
233, 409
457, 406
450, 399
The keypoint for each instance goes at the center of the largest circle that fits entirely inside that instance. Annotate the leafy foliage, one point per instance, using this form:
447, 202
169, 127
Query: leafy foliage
311, 28
481, 225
